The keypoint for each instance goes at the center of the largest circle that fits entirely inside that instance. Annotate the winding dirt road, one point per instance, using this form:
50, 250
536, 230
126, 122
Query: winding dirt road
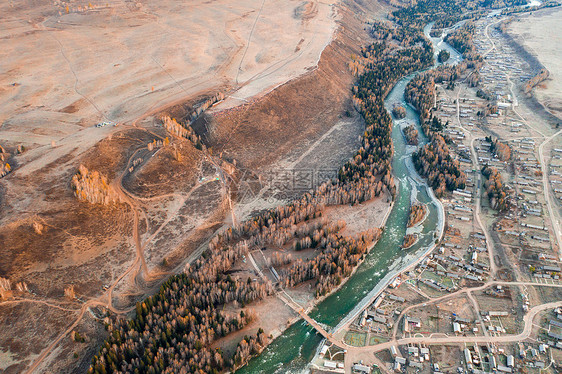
432, 339
525, 334
478, 197
139, 267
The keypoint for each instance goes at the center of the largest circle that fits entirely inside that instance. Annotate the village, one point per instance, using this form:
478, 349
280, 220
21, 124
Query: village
464, 307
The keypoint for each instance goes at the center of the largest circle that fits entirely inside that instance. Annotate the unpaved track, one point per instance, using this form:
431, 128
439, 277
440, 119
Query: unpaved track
527, 330
108, 295
53, 345
51, 305
140, 103
556, 224
249, 40
477, 312
478, 197
139, 268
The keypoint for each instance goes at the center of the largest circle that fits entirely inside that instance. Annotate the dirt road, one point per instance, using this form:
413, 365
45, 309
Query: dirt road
528, 327
478, 198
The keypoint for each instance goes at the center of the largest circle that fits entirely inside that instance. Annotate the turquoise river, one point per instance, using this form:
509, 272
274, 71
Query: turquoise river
292, 351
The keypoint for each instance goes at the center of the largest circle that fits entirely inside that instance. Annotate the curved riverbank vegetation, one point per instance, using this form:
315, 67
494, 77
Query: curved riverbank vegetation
434, 160
409, 240
417, 214
411, 134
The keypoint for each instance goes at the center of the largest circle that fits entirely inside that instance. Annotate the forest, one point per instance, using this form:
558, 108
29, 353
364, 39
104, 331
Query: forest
497, 193
93, 187
417, 214
409, 240
172, 330
182, 131
445, 13
399, 111
434, 161
461, 39
411, 134
443, 56
499, 149
5, 167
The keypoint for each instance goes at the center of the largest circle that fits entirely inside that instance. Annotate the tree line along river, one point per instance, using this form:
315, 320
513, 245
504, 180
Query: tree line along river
292, 351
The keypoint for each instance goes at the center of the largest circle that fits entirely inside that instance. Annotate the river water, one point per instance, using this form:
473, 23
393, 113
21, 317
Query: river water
292, 351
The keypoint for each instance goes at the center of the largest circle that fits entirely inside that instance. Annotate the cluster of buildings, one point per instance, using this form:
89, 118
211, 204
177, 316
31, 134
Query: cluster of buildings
105, 123
555, 172
381, 314
413, 357
462, 257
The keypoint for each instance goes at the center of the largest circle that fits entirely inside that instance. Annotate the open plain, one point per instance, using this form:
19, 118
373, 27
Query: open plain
540, 33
